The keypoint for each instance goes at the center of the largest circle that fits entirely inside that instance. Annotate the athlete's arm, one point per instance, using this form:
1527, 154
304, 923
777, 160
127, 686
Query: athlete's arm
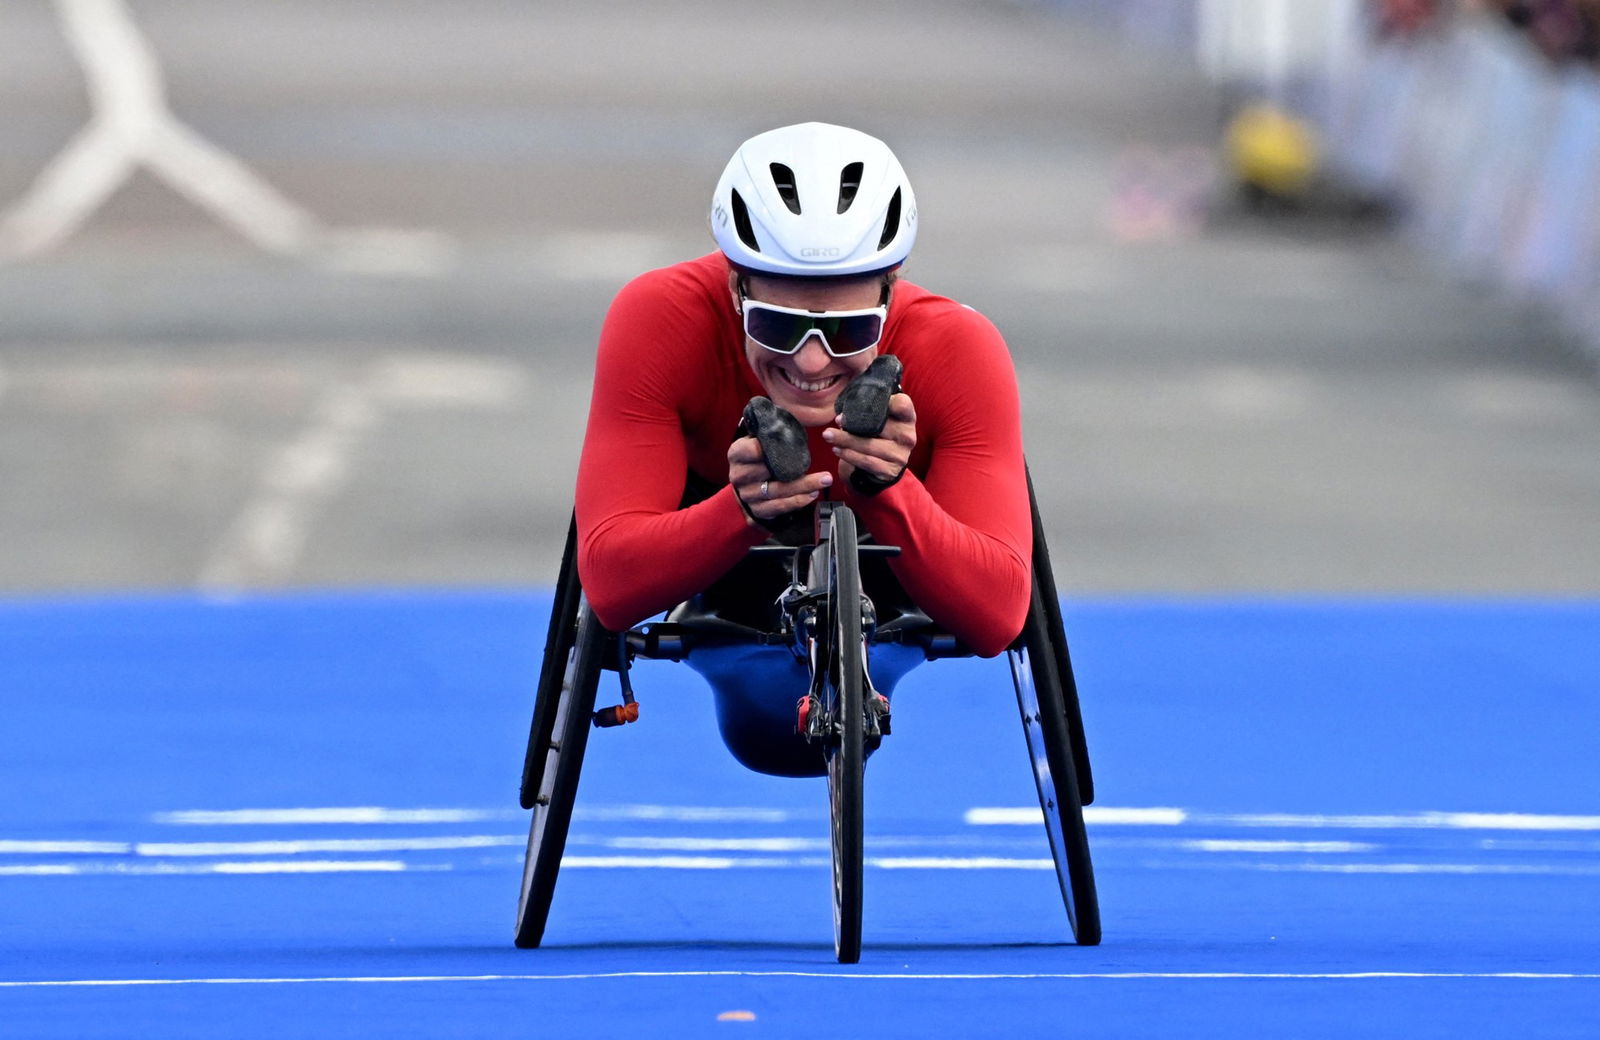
961, 519
638, 553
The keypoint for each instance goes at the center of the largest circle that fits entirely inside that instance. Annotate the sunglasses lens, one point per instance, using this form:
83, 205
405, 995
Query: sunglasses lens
851, 335
775, 330
784, 332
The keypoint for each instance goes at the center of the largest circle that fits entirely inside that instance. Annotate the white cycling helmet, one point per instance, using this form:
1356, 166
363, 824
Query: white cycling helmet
814, 200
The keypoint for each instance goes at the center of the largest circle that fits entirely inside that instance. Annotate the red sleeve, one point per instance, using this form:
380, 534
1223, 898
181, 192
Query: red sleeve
638, 553
963, 526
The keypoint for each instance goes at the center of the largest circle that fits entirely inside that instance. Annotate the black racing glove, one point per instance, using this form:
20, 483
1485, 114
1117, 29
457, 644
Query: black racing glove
782, 438
864, 404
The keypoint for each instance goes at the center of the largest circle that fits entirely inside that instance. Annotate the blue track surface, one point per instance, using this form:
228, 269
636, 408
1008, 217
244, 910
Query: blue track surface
1357, 819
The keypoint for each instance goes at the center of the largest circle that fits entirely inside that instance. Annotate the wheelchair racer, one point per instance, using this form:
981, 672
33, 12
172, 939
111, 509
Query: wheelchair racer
813, 223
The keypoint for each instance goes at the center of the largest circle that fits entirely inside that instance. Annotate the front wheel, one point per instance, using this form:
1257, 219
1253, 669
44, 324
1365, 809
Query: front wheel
844, 706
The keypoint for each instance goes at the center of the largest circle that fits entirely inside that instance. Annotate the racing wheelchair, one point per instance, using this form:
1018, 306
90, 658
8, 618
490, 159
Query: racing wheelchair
834, 614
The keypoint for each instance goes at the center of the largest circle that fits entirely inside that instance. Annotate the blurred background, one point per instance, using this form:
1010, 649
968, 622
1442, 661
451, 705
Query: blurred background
1302, 293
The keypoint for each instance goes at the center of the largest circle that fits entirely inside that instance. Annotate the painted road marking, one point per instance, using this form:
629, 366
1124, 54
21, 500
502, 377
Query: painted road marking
133, 127
878, 976
296, 848
290, 866
1031, 817
266, 538
352, 814
683, 814
269, 534
1486, 869
779, 852
47, 848
1229, 845
675, 844
367, 814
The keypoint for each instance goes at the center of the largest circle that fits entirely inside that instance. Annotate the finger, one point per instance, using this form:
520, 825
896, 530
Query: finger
767, 509
746, 450
809, 482
901, 409
898, 437
804, 490
894, 448
877, 465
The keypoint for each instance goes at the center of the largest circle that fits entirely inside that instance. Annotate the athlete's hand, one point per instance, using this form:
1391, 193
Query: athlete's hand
748, 473
883, 457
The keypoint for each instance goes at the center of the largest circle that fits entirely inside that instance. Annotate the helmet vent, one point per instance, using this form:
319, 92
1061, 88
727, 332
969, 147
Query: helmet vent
783, 178
849, 184
741, 223
891, 223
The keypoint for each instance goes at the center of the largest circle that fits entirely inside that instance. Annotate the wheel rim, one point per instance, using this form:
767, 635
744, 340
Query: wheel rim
1044, 724
844, 694
552, 815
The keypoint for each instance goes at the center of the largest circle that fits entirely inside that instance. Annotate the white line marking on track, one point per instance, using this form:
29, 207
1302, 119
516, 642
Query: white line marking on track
719, 844
364, 866
302, 866
790, 862
958, 863
1221, 976
980, 816
132, 126
295, 848
682, 814
1030, 816
653, 862
352, 814
47, 848
1227, 845
367, 814
1530, 869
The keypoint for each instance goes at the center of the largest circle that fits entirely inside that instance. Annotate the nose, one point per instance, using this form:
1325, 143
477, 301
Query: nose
812, 358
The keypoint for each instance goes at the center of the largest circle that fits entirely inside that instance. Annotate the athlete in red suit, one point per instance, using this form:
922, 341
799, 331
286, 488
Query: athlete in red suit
673, 375
813, 223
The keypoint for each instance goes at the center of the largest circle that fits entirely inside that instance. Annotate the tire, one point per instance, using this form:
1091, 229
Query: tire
570, 720
1050, 601
557, 647
1047, 730
844, 703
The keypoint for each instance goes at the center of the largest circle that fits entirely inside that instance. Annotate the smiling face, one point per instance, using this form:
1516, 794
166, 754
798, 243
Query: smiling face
806, 382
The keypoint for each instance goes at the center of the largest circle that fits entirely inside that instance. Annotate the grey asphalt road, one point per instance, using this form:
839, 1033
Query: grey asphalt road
331, 323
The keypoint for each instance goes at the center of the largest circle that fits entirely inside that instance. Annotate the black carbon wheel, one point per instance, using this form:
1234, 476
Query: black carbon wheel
1047, 728
844, 705
552, 670
557, 786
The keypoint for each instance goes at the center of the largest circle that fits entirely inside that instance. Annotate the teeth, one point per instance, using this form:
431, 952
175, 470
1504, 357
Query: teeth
806, 386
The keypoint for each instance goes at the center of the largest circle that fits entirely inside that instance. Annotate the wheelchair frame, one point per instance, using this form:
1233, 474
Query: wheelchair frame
846, 718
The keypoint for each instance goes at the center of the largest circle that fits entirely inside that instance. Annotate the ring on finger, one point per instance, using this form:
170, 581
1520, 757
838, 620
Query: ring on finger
765, 490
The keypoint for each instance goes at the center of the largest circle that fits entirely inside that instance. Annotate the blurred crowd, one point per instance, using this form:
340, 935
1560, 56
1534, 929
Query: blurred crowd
1565, 31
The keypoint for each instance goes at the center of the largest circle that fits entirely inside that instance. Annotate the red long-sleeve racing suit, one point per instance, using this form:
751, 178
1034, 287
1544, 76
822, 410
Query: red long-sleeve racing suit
671, 382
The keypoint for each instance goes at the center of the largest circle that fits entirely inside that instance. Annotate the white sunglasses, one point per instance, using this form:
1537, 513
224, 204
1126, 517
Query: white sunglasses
784, 330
